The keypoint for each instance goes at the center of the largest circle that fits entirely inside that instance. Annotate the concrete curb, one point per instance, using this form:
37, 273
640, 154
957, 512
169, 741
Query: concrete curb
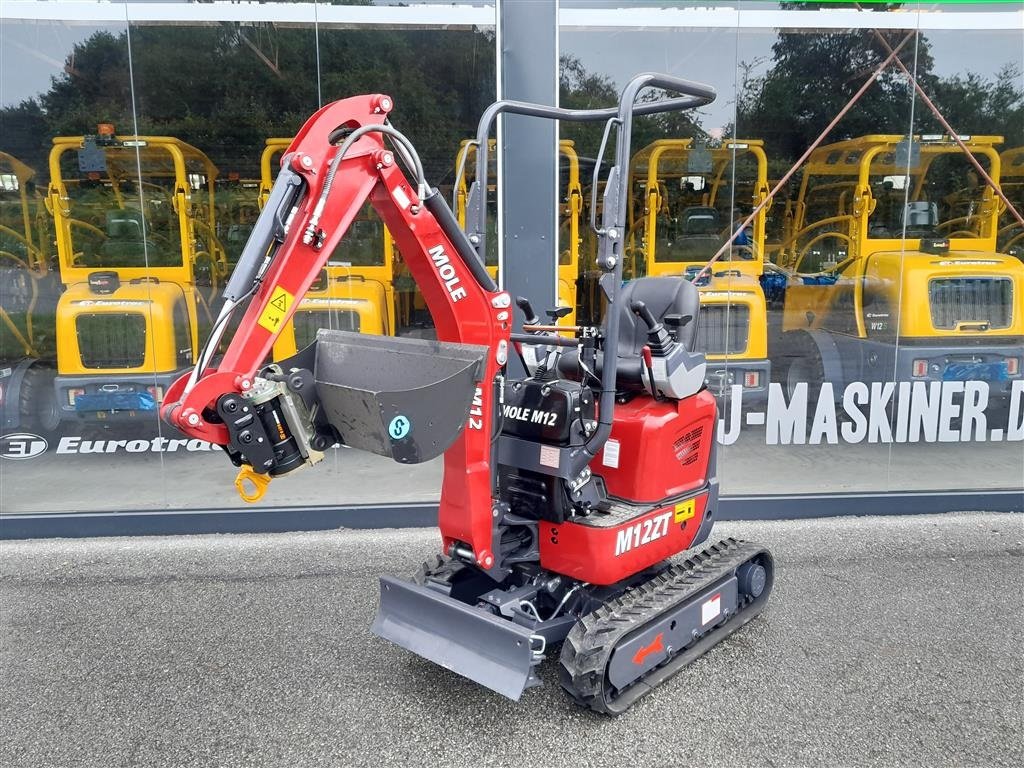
286, 519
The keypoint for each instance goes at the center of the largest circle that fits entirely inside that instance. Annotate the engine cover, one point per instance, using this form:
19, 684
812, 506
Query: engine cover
554, 412
659, 450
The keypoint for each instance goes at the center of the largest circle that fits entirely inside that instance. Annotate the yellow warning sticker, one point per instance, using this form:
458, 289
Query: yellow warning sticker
274, 313
685, 510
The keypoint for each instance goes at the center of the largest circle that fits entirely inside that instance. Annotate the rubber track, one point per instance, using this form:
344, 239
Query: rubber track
587, 650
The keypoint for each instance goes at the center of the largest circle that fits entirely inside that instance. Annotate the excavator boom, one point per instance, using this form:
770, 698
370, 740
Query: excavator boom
336, 162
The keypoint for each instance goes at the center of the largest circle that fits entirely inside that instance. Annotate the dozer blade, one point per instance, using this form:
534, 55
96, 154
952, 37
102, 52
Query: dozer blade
398, 397
487, 649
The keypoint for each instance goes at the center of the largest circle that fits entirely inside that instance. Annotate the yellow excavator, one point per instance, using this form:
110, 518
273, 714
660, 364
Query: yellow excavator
897, 274
134, 220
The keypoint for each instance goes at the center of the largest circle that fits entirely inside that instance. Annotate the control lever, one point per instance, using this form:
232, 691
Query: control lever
558, 313
640, 310
645, 353
658, 339
524, 304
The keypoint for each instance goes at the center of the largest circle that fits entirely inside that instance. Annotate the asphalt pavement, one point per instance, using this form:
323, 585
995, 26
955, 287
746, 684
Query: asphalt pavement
887, 641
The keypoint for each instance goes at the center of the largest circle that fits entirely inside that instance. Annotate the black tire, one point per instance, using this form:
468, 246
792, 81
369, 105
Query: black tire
37, 402
796, 360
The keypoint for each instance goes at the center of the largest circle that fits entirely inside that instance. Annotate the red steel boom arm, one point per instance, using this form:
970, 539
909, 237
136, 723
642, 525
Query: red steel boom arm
463, 310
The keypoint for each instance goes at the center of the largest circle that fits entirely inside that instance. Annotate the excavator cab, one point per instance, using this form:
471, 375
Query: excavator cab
135, 225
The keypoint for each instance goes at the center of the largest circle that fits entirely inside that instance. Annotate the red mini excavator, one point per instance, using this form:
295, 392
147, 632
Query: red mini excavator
565, 491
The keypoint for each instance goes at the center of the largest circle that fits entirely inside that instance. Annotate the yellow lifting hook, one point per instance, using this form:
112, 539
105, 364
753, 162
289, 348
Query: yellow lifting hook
257, 482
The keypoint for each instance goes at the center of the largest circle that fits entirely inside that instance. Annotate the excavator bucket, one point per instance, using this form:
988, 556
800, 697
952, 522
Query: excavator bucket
399, 397
469, 641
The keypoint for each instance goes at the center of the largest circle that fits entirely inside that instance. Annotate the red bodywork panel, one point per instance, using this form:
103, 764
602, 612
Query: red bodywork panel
601, 555
663, 452
663, 448
462, 310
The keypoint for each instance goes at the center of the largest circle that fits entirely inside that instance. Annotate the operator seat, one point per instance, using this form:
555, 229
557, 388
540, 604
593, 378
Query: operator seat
700, 220
126, 244
700, 233
664, 296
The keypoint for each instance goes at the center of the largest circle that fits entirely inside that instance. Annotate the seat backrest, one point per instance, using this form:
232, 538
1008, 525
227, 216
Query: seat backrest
920, 215
125, 245
125, 225
663, 296
669, 295
700, 220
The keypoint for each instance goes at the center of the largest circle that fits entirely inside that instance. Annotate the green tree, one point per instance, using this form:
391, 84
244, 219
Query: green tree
21, 126
812, 77
227, 88
973, 104
581, 89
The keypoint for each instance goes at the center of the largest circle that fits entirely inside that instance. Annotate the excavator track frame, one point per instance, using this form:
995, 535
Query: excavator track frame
588, 652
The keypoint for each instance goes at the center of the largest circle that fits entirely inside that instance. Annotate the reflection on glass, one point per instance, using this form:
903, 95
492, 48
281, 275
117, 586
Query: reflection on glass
134, 219
570, 210
28, 295
688, 200
894, 252
356, 288
1011, 231
465, 169
24, 259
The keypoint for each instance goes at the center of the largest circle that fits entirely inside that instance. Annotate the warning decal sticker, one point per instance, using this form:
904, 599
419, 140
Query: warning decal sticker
274, 313
549, 456
710, 609
610, 456
685, 510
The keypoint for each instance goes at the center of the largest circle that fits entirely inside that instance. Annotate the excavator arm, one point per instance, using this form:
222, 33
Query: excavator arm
270, 418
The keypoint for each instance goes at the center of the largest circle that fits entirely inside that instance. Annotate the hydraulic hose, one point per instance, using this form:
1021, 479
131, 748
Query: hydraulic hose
408, 153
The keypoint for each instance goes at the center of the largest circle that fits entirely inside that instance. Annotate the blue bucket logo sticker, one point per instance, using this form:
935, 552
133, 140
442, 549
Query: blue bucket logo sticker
399, 427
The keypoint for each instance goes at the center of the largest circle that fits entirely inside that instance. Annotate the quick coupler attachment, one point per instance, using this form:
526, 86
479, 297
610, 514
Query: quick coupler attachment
271, 427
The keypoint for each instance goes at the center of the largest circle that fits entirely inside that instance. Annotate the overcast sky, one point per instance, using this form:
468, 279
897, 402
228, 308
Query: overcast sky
32, 52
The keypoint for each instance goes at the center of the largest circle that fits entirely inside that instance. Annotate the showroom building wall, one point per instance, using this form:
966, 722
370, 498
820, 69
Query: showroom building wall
849, 206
